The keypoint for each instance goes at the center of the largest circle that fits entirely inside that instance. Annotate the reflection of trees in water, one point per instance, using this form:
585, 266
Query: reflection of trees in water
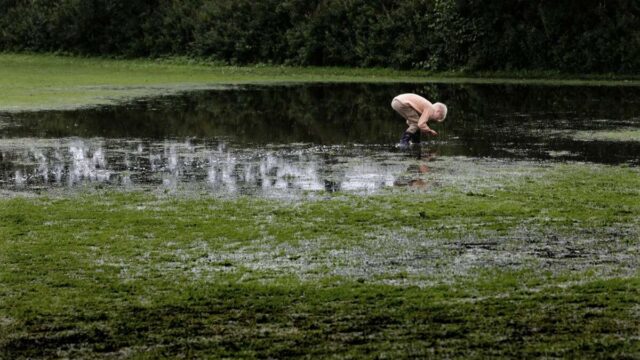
339, 113
170, 164
487, 119
319, 114
70, 164
484, 120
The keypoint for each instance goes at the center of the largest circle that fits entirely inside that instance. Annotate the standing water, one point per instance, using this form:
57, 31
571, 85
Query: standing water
319, 137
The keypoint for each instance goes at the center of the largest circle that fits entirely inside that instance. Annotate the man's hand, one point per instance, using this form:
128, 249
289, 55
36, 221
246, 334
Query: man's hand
429, 132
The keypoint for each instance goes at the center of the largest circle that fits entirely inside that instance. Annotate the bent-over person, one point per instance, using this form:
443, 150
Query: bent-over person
417, 111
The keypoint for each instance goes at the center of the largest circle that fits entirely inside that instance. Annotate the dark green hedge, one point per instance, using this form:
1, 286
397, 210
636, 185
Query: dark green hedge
587, 36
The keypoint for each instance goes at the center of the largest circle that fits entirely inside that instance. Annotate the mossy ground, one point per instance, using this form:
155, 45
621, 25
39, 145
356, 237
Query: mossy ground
544, 266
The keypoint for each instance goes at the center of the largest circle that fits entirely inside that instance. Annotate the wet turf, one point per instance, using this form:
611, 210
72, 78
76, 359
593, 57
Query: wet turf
539, 266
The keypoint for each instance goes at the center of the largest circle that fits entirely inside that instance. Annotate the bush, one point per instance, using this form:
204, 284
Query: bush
591, 36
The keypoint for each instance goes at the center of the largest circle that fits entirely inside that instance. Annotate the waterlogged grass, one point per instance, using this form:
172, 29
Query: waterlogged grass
541, 267
607, 135
45, 82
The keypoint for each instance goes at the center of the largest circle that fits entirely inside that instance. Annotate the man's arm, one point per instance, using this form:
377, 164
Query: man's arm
422, 122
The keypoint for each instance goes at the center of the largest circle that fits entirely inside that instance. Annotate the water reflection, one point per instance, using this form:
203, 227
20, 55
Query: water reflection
416, 182
483, 120
331, 137
218, 165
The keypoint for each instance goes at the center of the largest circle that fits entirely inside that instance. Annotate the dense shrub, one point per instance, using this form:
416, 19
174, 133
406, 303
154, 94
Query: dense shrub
569, 36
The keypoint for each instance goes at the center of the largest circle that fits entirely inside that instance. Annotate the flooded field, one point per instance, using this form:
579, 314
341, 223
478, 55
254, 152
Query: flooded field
246, 225
322, 137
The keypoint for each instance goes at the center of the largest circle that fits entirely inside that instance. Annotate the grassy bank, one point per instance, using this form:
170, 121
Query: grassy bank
41, 82
544, 266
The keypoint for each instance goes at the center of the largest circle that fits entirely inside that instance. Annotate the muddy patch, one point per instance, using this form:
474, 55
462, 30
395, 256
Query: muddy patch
402, 257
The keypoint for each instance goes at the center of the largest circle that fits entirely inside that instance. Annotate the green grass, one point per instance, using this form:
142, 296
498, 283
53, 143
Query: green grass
42, 82
601, 135
542, 267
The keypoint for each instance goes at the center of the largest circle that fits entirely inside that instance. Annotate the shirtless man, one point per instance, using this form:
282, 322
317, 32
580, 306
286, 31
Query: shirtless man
417, 111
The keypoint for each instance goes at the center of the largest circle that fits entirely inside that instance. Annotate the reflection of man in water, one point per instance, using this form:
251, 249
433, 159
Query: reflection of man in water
417, 111
416, 170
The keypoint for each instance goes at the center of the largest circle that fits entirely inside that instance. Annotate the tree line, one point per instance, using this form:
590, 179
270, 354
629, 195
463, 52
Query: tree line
571, 36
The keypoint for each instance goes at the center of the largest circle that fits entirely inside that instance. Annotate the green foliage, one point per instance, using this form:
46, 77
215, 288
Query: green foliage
569, 36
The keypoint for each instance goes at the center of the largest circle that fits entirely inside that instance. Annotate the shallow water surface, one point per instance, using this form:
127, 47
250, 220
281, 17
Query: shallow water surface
320, 137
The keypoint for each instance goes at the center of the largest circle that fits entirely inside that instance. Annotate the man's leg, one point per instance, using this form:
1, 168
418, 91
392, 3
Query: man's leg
405, 140
415, 138
412, 134
413, 130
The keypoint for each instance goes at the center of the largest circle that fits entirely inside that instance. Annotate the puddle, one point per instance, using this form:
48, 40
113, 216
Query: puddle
219, 166
261, 140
